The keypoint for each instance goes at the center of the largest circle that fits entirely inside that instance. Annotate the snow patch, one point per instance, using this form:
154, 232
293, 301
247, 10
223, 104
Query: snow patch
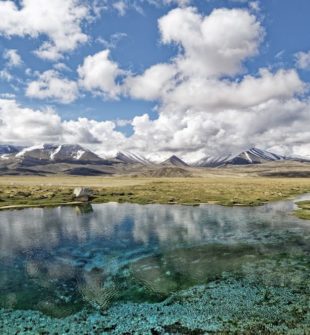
24, 151
78, 155
53, 154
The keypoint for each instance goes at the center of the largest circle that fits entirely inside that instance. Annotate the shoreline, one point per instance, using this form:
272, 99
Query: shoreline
81, 203
15, 207
302, 211
224, 191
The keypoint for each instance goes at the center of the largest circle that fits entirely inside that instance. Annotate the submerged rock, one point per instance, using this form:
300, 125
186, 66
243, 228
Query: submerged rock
221, 307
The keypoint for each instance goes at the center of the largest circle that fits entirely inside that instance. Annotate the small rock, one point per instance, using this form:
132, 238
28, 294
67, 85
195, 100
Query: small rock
83, 194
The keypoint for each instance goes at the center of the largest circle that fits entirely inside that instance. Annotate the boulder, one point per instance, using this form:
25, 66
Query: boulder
82, 194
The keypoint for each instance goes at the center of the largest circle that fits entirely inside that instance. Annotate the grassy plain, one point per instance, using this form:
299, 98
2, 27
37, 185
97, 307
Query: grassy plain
220, 189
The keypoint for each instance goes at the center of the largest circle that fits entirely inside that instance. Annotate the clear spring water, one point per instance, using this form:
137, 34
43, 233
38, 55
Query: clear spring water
117, 263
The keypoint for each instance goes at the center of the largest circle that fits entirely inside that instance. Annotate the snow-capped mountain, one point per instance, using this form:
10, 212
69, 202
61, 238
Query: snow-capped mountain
174, 161
54, 153
9, 150
131, 158
75, 160
250, 156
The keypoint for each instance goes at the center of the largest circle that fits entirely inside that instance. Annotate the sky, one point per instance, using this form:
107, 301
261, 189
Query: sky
193, 78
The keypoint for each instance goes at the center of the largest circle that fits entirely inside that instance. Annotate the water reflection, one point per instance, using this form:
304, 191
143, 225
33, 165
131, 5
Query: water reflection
65, 257
84, 209
123, 225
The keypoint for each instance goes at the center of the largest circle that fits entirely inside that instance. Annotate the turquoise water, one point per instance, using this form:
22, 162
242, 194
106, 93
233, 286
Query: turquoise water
154, 269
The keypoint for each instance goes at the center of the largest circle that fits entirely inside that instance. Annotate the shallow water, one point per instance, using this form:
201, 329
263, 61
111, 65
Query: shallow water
120, 262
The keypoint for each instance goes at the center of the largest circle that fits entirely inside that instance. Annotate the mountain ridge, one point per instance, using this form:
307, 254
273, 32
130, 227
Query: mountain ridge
131, 158
75, 159
246, 157
174, 161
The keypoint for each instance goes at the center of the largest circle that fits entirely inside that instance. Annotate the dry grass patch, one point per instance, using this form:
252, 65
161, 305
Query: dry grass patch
227, 191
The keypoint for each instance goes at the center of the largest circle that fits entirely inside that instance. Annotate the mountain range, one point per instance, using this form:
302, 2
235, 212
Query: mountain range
250, 156
76, 160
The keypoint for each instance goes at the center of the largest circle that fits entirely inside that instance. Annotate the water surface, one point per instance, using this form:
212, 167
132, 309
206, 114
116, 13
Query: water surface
154, 260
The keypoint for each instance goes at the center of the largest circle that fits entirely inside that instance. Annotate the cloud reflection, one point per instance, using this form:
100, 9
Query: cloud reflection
120, 226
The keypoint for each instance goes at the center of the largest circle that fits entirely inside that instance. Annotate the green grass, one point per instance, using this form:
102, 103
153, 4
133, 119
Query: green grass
226, 191
304, 210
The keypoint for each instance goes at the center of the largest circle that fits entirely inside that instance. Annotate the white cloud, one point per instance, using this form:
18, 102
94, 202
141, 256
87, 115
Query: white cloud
207, 104
7, 95
255, 6
50, 85
6, 75
99, 75
201, 113
58, 20
27, 126
303, 60
62, 67
113, 40
12, 57
280, 125
153, 83
214, 94
121, 7
99, 6
101, 136
213, 45
181, 3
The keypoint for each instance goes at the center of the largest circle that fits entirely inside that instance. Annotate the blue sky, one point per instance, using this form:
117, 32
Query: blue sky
44, 69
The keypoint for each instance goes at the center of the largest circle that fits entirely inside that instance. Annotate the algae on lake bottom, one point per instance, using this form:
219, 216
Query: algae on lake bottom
154, 269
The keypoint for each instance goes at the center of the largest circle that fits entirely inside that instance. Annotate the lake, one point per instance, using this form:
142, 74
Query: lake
154, 269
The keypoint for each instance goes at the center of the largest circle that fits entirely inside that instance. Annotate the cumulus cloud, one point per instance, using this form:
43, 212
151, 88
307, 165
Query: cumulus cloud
213, 45
200, 112
23, 125
207, 103
12, 57
279, 125
50, 85
214, 95
27, 126
99, 75
101, 136
58, 20
153, 83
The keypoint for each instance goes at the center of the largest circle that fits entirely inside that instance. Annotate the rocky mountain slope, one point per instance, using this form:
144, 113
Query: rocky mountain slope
131, 158
51, 153
174, 161
250, 156
9, 150
77, 160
